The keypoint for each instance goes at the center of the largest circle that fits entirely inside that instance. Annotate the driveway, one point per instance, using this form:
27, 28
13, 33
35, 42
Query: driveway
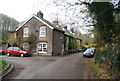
43, 67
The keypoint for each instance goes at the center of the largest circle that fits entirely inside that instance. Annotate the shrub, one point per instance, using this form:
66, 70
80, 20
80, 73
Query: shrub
3, 64
110, 59
73, 44
3, 42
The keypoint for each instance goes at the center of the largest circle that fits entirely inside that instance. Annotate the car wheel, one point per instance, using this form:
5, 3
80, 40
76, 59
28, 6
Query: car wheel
92, 56
3, 53
22, 55
8, 54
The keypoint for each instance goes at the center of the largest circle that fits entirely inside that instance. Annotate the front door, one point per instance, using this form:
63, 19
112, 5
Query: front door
16, 51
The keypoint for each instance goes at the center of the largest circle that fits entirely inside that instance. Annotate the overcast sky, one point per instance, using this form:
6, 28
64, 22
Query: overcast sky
23, 9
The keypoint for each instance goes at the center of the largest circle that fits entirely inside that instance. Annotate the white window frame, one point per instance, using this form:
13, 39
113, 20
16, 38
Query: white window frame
42, 47
40, 35
24, 46
25, 33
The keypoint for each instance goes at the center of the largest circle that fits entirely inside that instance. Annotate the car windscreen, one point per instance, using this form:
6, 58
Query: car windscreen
16, 49
89, 51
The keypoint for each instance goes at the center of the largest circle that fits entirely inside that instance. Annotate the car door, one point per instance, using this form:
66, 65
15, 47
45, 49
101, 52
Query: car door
16, 51
10, 50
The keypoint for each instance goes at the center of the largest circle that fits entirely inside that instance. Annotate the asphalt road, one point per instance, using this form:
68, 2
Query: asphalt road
42, 67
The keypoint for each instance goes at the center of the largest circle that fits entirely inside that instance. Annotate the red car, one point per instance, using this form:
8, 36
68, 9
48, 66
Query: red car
17, 51
2, 52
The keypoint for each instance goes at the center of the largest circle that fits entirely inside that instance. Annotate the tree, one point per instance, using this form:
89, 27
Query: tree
7, 24
32, 38
103, 14
74, 14
87, 39
107, 37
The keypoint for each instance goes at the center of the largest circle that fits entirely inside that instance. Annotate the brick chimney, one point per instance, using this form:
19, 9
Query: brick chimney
55, 22
40, 14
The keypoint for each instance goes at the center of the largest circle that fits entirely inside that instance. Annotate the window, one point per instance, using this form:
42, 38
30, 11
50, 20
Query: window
16, 49
10, 48
25, 46
25, 32
42, 47
42, 31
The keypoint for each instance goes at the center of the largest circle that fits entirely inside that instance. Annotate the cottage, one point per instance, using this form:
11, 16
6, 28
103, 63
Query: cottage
72, 43
48, 38
42, 37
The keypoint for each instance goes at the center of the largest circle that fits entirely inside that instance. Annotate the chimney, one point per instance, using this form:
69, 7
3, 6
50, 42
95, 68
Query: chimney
55, 22
40, 14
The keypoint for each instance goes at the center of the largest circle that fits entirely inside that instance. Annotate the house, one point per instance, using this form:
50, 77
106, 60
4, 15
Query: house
43, 37
50, 39
72, 43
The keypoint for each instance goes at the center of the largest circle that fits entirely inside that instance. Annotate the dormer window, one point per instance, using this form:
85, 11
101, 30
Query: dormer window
42, 32
25, 32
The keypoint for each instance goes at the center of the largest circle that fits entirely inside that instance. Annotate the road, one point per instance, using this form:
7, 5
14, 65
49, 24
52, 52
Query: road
43, 67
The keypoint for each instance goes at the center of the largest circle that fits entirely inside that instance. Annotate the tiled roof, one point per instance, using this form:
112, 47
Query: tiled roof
60, 29
49, 24
71, 35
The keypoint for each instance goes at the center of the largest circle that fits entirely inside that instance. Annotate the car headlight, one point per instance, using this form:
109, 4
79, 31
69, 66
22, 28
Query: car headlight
92, 53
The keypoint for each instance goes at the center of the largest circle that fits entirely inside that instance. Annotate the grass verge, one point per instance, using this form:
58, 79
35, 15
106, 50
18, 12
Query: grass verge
3, 64
99, 71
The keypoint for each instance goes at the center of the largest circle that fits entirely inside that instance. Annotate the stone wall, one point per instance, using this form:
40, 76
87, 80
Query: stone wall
58, 43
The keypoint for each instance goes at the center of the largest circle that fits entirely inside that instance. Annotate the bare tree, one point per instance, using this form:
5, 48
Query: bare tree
75, 14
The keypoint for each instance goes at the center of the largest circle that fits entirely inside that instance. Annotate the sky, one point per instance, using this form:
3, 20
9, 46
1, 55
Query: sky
23, 9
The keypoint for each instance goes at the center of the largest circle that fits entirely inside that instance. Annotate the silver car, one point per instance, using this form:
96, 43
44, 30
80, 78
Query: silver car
89, 52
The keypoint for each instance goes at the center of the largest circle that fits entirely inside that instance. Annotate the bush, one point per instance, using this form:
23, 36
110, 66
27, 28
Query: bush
73, 44
3, 42
110, 59
3, 64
